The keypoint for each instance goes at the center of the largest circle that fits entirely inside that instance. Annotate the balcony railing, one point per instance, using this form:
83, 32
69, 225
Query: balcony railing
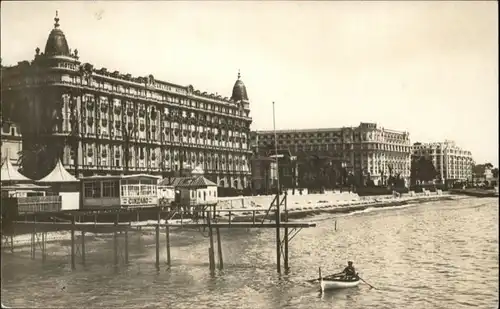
37, 204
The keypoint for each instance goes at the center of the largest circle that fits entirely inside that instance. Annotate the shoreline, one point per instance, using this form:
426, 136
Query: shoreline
351, 207
24, 240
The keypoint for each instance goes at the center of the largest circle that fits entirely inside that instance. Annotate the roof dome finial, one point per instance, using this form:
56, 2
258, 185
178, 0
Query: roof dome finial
56, 42
56, 19
239, 90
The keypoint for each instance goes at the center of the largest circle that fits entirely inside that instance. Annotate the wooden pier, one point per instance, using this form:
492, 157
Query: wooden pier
122, 221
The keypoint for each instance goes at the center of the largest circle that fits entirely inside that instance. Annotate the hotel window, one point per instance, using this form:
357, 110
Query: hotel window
109, 189
88, 189
92, 189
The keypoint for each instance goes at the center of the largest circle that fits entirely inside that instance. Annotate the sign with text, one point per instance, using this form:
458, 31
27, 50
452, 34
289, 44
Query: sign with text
139, 200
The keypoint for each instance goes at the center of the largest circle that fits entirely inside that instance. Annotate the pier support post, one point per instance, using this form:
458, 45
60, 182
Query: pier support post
286, 237
158, 242
12, 243
73, 265
219, 249
211, 254
43, 246
32, 244
278, 236
115, 243
167, 236
33, 239
83, 248
126, 246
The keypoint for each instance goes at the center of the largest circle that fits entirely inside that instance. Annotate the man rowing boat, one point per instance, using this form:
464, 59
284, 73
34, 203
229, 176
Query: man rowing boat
348, 273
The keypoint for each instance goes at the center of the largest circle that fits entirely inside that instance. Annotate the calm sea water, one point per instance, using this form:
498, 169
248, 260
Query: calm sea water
435, 255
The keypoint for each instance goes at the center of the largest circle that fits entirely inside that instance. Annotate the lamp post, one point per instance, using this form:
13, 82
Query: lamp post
342, 175
293, 161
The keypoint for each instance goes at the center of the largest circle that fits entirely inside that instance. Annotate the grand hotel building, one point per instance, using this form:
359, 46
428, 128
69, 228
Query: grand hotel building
451, 162
100, 121
367, 150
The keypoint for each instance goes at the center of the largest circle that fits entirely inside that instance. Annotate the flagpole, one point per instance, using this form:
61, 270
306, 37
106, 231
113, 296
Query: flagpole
278, 217
276, 150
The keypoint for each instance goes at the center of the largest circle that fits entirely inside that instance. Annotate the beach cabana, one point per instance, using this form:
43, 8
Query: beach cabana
119, 191
15, 184
62, 183
20, 195
193, 191
10, 174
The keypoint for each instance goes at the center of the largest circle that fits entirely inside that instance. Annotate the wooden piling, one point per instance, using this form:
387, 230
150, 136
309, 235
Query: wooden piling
73, 262
167, 236
32, 243
219, 249
12, 243
33, 237
83, 248
286, 237
211, 248
126, 246
335, 225
115, 243
43, 247
158, 242
278, 236
210, 261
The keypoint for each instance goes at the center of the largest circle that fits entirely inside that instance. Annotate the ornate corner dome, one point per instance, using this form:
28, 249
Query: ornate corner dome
56, 43
239, 90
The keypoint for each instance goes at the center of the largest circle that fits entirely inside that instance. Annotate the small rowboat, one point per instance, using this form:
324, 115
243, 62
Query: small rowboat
337, 282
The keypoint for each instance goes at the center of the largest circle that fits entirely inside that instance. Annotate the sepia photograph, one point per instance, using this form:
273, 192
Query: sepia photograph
249, 154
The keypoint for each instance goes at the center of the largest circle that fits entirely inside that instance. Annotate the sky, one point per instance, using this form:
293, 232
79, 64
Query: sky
429, 68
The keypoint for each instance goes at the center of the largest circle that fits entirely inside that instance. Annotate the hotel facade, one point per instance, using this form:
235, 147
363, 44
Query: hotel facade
365, 151
451, 162
100, 121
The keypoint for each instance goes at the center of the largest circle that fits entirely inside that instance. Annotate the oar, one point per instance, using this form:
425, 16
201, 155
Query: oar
312, 280
371, 286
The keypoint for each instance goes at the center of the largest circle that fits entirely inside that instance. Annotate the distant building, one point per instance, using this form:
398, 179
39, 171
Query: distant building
366, 151
483, 173
264, 175
451, 162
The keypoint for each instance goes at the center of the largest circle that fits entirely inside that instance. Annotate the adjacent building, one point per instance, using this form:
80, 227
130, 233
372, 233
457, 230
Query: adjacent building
11, 142
367, 151
451, 162
104, 122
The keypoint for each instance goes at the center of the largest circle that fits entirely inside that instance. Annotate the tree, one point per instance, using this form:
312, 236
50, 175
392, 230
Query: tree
495, 172
31, 159
479, 169
422, 169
